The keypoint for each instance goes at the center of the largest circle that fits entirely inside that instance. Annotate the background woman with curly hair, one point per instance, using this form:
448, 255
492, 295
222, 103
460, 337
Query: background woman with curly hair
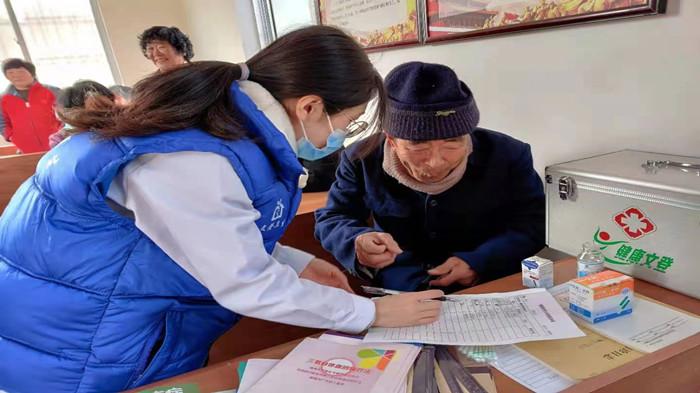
166, 47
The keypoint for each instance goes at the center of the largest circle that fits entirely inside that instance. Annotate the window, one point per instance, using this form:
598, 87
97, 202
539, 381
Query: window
8, 42
292, 14
277, 17
61, 39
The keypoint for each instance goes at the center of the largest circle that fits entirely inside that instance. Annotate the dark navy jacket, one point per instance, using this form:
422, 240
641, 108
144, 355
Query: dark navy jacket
492, 219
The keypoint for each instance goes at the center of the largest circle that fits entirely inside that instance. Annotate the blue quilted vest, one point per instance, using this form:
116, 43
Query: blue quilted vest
88, 303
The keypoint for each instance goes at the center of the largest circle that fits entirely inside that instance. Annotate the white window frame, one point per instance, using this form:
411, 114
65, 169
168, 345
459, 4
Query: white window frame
99, 22
265, 19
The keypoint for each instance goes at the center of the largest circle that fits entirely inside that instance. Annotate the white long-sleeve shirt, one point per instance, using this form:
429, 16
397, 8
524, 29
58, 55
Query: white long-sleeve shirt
195, 208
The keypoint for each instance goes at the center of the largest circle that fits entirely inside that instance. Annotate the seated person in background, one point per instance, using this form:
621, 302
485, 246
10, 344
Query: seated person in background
321, 172
166, 47
82, 94
27, 116
450, 204
320, 164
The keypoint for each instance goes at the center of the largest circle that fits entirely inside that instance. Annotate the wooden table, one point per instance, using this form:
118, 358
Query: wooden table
8, 150
675, 368
312, 201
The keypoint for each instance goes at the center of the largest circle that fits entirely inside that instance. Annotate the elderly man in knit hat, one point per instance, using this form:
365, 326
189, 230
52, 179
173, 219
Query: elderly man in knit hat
440, 202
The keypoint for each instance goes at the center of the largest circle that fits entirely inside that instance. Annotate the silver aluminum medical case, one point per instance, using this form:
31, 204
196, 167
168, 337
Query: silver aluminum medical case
641, 209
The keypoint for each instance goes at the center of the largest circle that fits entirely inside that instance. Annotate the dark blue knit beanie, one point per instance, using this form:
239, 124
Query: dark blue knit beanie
428, 101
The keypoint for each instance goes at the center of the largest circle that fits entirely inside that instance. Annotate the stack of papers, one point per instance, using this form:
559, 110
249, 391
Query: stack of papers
380, 363
424, 370
255, 369
650, 327
582, 357
324, 366
489, 319
529, 371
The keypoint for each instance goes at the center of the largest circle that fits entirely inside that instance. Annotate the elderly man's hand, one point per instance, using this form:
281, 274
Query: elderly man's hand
376, 249
454, 270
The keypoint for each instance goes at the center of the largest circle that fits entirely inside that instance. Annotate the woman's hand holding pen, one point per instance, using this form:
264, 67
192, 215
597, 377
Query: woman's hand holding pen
408, 309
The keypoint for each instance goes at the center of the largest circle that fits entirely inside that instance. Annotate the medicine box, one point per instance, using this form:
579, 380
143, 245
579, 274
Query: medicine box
601, 296
538, 272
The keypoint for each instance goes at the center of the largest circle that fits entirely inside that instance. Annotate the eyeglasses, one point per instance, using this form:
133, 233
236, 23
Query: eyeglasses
356, 128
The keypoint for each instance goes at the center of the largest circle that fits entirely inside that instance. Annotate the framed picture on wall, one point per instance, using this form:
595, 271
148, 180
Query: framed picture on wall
374, 23
450, 19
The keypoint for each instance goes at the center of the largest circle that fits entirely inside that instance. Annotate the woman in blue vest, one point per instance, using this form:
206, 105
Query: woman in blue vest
137, 244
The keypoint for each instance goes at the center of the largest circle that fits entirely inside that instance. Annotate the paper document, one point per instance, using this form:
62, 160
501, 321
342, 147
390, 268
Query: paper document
320, 366
650, 327
342, 338
254, 371
582, 357
561, 294
654, 327
528, 371
490, 319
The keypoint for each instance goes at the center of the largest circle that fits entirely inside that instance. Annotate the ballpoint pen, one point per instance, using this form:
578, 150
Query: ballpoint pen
383, 292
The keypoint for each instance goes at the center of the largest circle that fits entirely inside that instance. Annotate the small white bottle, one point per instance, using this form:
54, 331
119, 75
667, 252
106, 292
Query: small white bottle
590, 260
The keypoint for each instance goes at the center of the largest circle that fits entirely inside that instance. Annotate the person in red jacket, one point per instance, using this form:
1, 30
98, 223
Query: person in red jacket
27, 117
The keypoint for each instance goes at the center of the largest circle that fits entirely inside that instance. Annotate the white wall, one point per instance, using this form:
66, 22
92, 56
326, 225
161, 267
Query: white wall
124, 20
212, 27
577, 91
210, 24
